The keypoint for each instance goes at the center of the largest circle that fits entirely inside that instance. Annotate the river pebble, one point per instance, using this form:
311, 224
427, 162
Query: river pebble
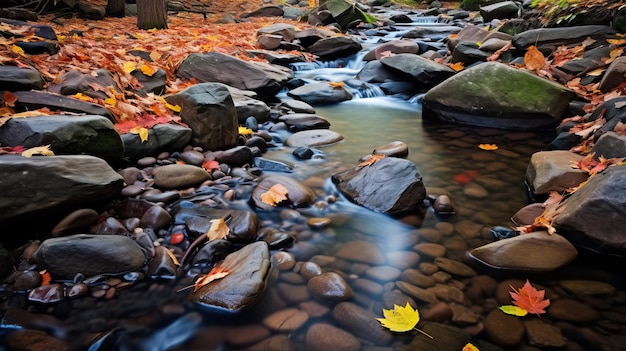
330, 286
286, 320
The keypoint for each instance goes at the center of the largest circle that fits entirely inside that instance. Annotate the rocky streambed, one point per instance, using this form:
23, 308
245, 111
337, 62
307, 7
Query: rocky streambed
210, 236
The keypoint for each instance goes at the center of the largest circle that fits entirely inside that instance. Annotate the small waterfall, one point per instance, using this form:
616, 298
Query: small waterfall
363, 90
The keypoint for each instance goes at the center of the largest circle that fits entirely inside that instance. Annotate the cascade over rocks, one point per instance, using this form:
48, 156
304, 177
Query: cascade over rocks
264, 79
495, 95
209, 111
390, 185
66, 135
244, 285
591, 214
54, 183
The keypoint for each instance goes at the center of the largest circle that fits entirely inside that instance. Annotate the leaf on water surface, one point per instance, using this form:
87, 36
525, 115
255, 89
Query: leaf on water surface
371, 160
534, 59
513, 310
530, 299
218, 229
39, 150
276, 194
215, 274
488, 147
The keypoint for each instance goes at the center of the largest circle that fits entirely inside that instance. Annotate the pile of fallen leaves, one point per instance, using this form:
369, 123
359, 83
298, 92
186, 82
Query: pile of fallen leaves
558, 12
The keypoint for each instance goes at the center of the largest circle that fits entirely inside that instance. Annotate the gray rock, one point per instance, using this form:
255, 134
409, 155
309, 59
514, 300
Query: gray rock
150, 84
66, 135
495, 95
376, 72
297, 106
286, 31
298, 194
538, 251
323, 337
90, 255
34, 100
316, 137
551, 38
361, 323
161, 137
303, 121
13, 78
594, 215
361, 251
335, 47
614, 75
264, 79
267, 11
52, 184
610, 145
500, 10
398, 46
390, 185
209, 111
423, 72
552, 171
468, 52
320, 93
179, 176
74, 82
243, 286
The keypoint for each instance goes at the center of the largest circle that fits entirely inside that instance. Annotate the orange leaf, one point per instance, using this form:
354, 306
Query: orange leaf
370, 161
210, 165
336, 84
148, 70
215, 274
530, 299
9, 98
45, 277
458, 66
218, 229
534, 59
276, 194
488, 147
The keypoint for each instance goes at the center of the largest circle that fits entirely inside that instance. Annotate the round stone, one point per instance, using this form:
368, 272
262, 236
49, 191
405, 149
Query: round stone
383, 273
76, 221
178, 176
505, 330
310, 270
284, 261
361, 251
431, 250
192, 157
330, 286
323, 337
393, 149
316, 137
286, 320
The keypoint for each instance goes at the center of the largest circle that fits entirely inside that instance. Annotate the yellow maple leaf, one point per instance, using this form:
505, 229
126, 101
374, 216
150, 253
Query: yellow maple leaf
244, 130
143, 133
215, 274
275, 195
18, 50
129, 66
401, 319
488, 147
39, 150
470, 347
148, 70
373, 159
110, 100
174, 108
218, 229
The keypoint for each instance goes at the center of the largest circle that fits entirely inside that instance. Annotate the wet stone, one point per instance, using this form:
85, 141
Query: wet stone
192, 157
323, 337
454, 267
330, 286
309, 270
361, 251
430, 250
283, 260
587, 287
361, 323
441, 277
367, 286
246, 334
292, 278
417, 292
503, 329
417, 278
318, 222
393, 149
431, 235
572, 311
402, 259
286, 320
428, 268
314, 309
156, 218
27, 280
132, 190
438, 312
383, 273
75, 221
178, 176
46, 294
292, 293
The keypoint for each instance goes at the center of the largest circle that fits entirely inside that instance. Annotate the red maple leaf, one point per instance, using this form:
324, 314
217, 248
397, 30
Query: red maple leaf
530, 299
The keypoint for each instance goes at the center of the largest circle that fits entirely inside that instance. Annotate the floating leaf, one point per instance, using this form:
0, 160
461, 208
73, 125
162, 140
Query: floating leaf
513, 310
143, 133
470, 347
215, 274
39, 150
488, 147
244, 131
371, 160
148, 70
534, 59
218, 229
275, 195
530, 299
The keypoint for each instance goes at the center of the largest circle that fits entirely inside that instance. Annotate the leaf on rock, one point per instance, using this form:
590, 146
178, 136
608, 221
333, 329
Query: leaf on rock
215, 274
534, 59
457, 66
488, 147
400, 319
210, 165
513, 310
39, 150
594, 166
244, 131
143, 133
371, 160
218, 229
552, 207
148, 70
336, 84
129, 66
470, 347
275, 195
45, 277
530, 299
9, 98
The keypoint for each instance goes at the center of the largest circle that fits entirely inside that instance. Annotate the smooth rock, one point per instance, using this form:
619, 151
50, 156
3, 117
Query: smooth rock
311, 138
361, 323
286, 320
542, 334
503, 329
361, 251
330, 286
179, 176
298, 194
75, 222
323, 337
572, 311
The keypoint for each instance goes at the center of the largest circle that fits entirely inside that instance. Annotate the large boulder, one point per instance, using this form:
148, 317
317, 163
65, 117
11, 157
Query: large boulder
551, 38
264, 79
50, 187
209, 111
320, 93
423, 72
14, 78
161, 137
66, 135
34, 100
389, 185
90, 255
595, 215
243, 287
495, 95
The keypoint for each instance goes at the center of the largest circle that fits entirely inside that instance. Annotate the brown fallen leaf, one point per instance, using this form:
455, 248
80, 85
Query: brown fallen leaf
534, 59
373, 159
275, 195
218, 230
215, 274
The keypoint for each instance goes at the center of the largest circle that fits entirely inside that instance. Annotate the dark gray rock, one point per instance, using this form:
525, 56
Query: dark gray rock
390, 185
244, 285
594, 215
286, 31
500, 10
298, 194
398, 46
74, 82
90, 255
335, 47
614, 75
209, 111
34, 100
495, 95
38, 47
320, 93
316, 137
304, 121
151, 84
236, 156
40, 30
423, 72
267, 11
468, 52
551, 38
242, 224
610, 145
265, 164
375, 72
264, 79
53, 184
14, 78
161, 137
66, 135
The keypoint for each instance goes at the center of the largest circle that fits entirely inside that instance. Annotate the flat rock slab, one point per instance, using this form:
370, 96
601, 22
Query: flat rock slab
244, 285
316, 137
538, 251
34, 100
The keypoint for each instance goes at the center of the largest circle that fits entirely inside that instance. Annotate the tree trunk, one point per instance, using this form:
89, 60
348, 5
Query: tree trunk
116, 8
152, 14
